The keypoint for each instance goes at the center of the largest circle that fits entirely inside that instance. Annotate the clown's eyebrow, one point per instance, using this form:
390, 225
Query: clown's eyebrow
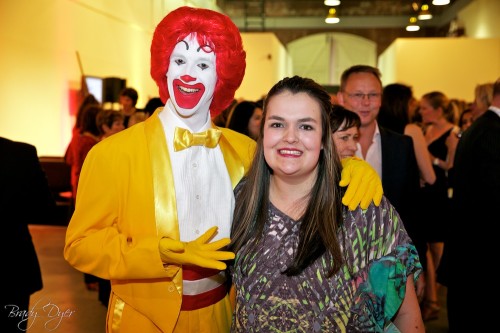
183, 41
206, 48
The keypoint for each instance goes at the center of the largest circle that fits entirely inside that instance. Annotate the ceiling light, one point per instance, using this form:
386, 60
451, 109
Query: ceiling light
424, 13
332, 3
332, 16
440, 2
412, 26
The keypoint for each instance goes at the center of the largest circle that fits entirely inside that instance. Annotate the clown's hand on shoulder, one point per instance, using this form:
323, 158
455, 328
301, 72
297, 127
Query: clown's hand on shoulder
364, 184
197, 253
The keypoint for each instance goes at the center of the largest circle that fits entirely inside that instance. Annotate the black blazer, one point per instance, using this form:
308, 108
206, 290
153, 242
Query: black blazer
24, 198
401, 183
476, 198
400, 177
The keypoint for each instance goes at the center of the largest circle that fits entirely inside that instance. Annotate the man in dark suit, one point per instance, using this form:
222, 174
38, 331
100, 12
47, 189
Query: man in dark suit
476, 196
391, 154
24, 198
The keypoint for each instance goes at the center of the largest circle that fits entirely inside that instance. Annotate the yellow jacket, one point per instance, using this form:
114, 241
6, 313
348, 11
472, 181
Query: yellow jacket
125, 191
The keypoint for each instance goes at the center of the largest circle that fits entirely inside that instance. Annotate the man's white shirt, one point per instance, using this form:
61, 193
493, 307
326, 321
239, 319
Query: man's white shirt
495, 109
203, 189
374, 153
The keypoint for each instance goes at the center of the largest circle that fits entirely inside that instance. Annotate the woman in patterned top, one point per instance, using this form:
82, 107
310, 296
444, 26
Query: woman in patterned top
304, 262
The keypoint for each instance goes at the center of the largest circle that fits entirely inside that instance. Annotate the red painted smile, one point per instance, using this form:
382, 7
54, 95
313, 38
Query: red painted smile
187, 96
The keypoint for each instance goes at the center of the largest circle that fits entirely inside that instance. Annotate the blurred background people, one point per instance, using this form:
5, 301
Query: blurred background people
220, 120
87, 100
89, 135
465, 119
483, 94
438, 115
109, 122
245, 118
459, 105
25, 198
137, 118
128, 101
394, 114
151, 106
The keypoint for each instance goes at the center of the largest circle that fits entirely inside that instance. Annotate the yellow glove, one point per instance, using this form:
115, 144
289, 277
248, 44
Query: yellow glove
197, 253
364, 183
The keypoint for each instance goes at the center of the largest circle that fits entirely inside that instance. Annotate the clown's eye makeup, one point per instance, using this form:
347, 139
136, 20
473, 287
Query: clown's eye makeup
179, 61
203, 66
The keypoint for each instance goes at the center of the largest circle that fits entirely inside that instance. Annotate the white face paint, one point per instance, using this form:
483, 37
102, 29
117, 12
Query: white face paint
191, 80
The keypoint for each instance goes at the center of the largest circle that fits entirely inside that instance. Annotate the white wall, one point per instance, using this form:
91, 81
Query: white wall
323, 57
267, 63
451, 65
40, 72
481, 19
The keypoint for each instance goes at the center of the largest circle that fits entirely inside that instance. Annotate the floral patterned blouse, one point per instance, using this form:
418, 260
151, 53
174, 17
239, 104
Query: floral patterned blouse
363, 296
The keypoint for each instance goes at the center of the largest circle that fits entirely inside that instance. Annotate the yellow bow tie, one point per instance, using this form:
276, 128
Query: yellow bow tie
183, 138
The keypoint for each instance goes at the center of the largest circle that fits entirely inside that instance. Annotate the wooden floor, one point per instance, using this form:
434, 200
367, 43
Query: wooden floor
65, 305
74, 309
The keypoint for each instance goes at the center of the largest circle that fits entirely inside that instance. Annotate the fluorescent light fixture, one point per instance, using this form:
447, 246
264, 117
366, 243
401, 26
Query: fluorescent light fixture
412, 26
332, 16
440, 2
332, 3
424, 13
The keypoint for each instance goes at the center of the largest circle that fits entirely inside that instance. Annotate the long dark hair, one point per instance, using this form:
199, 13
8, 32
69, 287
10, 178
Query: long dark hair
322, 218
394, 110
89, 116
342, 119
88, 100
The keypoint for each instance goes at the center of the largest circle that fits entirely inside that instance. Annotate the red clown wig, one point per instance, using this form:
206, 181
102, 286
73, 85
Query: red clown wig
211, 28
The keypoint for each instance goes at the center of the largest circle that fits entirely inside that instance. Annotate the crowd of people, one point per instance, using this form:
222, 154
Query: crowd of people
283, 213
